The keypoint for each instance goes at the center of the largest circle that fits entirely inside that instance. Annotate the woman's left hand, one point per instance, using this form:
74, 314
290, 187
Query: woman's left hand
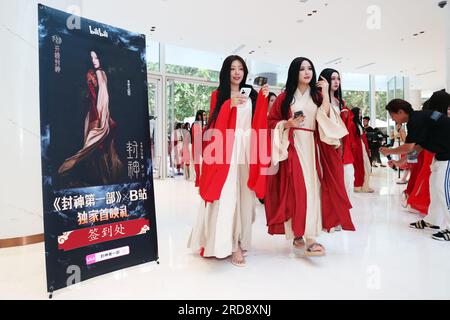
323, 84
265, 90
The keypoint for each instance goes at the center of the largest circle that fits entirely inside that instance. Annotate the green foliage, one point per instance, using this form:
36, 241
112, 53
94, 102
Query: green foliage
360, 99
381, 102
189, 98
193, 72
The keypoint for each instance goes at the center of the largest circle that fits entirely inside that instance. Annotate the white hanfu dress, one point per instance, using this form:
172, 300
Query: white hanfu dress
224, 224
331, 130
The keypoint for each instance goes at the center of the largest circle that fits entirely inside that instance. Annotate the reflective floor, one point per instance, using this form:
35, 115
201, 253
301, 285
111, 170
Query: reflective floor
383, 259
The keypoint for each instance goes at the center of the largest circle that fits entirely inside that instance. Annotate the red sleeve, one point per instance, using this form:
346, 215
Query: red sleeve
364, 139
260, 148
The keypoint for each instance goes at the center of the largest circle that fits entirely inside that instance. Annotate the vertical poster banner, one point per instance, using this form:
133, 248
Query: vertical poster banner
99, 210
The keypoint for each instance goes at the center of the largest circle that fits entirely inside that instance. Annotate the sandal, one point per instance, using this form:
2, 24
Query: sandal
443, 235
312, 252
238, 263
421, 224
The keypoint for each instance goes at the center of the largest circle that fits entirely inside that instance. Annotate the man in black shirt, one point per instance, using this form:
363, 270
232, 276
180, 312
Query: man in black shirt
429, 130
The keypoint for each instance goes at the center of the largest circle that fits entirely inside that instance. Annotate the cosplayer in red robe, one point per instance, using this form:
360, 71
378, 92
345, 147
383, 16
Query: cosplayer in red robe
334, 79
307, 194
361, 154
196, 137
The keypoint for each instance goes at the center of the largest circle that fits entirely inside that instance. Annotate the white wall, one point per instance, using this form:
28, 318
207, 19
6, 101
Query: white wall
20, 165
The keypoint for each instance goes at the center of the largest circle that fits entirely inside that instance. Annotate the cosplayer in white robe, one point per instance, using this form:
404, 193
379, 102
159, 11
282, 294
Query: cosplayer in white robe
225, 224
331, 130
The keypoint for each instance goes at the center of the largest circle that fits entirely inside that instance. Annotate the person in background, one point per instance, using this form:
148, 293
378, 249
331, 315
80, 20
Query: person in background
361, 154
197, 138
374, 140
272, 98
428, 130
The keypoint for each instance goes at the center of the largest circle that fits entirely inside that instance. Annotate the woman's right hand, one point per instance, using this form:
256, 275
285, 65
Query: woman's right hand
238, 100
294, 122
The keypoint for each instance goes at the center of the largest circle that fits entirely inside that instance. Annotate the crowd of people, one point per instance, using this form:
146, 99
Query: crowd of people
302, 154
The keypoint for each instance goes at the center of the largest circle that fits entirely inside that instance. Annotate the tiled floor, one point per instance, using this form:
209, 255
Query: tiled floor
383, 259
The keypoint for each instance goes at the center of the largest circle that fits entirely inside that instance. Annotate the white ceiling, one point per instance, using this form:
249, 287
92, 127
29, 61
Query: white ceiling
338, 30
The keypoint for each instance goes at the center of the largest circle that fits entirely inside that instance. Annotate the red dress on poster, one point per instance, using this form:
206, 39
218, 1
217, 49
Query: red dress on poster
419, 198
286, 196
214, 173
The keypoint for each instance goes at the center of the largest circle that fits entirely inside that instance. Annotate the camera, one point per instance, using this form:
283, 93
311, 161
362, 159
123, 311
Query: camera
442, 4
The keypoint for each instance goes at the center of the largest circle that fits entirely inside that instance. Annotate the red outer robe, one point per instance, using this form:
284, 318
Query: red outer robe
197, 133
419, 198
214, 174
415, 169
286, 191
347, 118
357, 150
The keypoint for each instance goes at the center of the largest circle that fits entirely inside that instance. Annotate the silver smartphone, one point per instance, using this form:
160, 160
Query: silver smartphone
246, 92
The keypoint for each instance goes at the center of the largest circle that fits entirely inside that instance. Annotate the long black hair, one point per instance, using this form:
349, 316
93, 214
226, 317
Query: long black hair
224, 89
327, 73
271, 94
101, 58
198, 117
357, 120
292, 84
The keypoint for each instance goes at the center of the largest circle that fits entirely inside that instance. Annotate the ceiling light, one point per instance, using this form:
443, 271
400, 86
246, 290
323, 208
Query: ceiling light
334, 60
425, 73
242, 46
366, 65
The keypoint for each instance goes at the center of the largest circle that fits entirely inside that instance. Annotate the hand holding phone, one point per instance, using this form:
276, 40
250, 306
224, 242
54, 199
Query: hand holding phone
260, 81
298, 114
246, 92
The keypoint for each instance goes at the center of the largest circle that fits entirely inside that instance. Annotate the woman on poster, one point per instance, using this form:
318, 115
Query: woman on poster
99, 147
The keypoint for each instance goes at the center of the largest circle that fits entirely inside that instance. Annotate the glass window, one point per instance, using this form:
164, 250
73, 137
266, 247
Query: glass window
381, 100
153, 56
356, 91
194, 63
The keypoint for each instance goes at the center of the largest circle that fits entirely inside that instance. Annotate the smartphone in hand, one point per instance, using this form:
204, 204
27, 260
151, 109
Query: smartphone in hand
298, 114
246, 92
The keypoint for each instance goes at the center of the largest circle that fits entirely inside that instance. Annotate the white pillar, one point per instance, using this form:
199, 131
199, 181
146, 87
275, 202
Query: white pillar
373, 101
20, 163
406, 89
415, 98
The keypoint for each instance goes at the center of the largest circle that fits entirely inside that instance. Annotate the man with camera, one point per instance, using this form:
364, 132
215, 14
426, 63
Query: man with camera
429, 130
